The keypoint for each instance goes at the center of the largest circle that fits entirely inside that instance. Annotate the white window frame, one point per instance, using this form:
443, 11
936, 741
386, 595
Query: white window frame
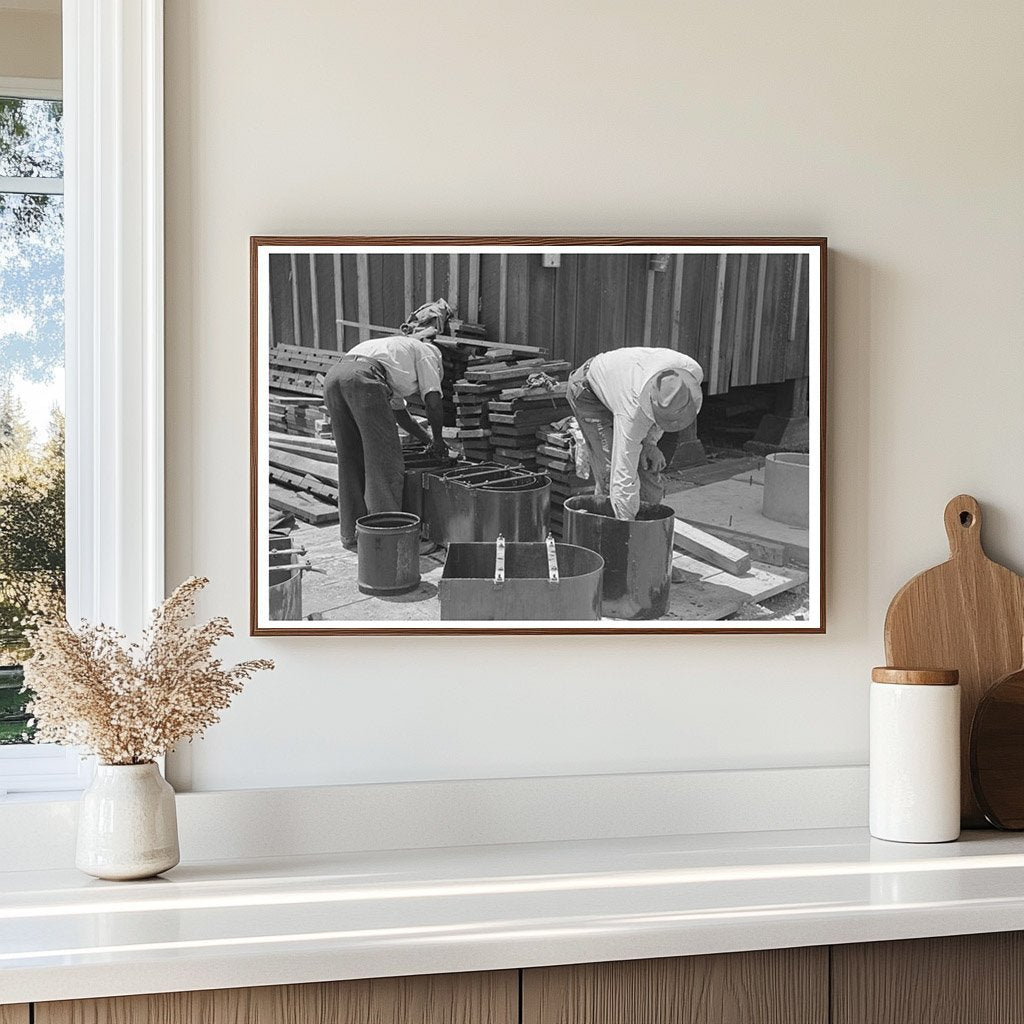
114, 324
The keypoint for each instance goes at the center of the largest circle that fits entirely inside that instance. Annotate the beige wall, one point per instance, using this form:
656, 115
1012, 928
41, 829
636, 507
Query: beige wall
29, 44
895, 129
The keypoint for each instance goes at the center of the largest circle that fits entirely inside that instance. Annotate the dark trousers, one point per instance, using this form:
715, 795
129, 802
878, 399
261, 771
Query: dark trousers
370, 465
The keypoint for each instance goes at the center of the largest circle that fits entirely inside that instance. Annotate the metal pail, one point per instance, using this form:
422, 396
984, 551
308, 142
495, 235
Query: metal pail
388, 552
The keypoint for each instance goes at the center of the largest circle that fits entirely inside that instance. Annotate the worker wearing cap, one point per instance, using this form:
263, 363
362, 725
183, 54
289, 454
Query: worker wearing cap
631, 404
365, 393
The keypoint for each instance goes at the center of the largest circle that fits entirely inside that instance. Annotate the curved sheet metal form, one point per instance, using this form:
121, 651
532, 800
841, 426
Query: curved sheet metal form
481, 502
525, 588
637, 554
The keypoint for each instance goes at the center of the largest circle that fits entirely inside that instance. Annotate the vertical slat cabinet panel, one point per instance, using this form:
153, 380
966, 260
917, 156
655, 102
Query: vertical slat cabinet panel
14, 1014
961, 979
779, 986
482, 998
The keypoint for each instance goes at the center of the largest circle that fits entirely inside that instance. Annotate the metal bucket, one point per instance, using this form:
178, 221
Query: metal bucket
388, 552
637, 554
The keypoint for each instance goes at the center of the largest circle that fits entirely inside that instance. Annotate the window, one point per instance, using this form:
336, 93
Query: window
32, 530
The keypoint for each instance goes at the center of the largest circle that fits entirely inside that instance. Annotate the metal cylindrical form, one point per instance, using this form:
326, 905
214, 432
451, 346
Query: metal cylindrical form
786, 494
915, 755
637, 554
388, 552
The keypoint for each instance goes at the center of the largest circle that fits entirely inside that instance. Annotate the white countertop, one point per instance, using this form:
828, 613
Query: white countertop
297, 919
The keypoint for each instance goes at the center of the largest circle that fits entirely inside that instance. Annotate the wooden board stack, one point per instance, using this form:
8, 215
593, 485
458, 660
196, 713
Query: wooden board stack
555, 459
304, 478
511, 411
296, 390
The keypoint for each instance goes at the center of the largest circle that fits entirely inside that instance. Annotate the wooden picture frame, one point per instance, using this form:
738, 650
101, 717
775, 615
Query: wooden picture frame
760, 322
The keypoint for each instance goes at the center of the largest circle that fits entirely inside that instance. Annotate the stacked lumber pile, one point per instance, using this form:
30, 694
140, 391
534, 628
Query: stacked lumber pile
555, 459
499, 415
297, 392
304, 478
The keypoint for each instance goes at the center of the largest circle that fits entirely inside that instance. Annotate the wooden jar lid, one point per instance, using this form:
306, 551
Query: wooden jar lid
916, 676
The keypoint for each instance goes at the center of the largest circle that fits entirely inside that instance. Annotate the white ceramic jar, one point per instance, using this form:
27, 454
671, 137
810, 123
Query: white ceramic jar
127, 823
915, 755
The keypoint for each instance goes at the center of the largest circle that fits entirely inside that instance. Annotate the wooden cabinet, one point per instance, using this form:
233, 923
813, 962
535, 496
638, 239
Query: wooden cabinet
962, 979
778, 986
968, 979
491, 998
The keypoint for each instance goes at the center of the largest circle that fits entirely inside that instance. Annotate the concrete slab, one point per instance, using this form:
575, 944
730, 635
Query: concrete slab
735, 505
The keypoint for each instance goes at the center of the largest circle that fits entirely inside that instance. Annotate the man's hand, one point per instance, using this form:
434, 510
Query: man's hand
653, 460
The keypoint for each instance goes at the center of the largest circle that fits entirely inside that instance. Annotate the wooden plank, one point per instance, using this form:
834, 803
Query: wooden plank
14, 1014
716, 337
314, 303
517, 316
478, 998
473, 297
677, 300
739, 324
317, 454
777, 986
296, 318
363, 290
308, 509
755, 351
798, 358
710, 548
959, 979
540, 324
304, 465
758, 583
410, 302
649, 307
503, 298
563, 344
453, 281
428, 276
339, 306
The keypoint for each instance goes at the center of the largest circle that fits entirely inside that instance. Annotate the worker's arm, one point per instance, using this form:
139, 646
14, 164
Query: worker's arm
404, 419
627, 444
435, 417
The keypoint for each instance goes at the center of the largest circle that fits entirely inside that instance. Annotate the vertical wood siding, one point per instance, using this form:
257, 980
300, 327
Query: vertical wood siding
743, 317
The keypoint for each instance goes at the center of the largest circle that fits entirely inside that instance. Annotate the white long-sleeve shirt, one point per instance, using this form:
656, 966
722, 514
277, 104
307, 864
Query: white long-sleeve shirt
620, 378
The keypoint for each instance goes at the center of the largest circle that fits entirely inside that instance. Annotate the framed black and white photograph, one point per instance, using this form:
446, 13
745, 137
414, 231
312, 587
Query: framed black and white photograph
537, 435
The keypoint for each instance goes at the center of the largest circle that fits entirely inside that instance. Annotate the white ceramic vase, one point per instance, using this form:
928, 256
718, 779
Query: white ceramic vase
127, 825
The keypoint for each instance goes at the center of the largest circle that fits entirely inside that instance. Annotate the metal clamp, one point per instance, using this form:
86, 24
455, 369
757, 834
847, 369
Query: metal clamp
552, 559
499, 560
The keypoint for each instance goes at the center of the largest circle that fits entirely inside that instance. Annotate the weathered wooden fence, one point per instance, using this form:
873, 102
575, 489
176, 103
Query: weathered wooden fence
743, 317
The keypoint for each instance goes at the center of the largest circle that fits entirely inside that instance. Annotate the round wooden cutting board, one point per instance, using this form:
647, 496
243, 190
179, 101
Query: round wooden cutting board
997, 752
967, 614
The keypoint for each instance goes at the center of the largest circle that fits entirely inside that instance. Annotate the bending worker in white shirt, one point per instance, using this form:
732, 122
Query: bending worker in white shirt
365, 393
631, 405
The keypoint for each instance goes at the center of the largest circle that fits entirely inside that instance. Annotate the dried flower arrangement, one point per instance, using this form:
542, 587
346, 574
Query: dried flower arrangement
130, 703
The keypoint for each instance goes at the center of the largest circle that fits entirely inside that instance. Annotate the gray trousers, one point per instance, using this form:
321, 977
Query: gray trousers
371, 470
597, 424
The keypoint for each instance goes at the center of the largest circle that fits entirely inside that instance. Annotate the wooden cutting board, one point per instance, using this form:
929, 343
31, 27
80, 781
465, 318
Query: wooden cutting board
967, 614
